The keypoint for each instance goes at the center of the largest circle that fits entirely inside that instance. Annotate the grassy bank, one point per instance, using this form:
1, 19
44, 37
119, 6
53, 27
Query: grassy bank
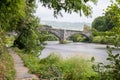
7, 71
54, 67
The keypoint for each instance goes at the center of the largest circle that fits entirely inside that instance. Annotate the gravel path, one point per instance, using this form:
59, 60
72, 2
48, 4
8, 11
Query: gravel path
21, 70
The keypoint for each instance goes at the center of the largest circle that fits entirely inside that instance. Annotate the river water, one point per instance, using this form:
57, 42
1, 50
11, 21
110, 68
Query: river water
85, 50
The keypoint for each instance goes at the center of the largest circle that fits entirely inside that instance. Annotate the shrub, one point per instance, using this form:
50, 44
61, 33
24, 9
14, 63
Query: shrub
97, 39
54, 67
77, 69
70, 69
110, 71
102, 39
77, 38
63, 42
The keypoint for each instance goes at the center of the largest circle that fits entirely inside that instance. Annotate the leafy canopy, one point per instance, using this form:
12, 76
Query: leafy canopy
69, 6
10, 12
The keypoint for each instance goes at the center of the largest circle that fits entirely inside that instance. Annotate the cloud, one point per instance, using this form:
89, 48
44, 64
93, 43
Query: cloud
47, 14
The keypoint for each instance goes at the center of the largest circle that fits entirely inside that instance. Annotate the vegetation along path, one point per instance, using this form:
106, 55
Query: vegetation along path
21, 70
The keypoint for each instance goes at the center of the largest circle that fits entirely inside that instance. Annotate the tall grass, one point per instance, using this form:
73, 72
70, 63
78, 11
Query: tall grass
7, 71
54, 67
70, 69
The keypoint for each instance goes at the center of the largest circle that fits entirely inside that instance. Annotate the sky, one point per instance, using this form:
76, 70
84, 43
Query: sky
47, 14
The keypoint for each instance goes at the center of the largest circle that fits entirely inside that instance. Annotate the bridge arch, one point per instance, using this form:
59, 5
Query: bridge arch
71, 32
63, 34
79, 34
83, 35
50, 32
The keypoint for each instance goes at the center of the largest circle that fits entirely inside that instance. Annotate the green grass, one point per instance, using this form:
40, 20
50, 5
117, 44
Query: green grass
64, 42
54, 66
30, 60
7, 71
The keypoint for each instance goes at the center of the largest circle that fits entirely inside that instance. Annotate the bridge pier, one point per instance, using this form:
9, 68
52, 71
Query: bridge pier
63, 37
62, 41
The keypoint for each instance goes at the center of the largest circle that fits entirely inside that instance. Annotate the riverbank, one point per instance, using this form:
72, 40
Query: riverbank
55, 67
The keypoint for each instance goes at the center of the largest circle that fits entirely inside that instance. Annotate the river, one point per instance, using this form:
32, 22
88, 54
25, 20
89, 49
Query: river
85, 50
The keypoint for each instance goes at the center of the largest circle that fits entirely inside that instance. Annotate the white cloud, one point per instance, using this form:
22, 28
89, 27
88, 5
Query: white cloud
46, 14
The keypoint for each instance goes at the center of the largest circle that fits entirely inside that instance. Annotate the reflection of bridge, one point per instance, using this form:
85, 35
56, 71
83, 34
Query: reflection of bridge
63, 34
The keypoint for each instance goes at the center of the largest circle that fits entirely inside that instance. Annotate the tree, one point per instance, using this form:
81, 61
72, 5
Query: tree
99, 23
113, 12
10, 12
27, 30
103, 23
69, 6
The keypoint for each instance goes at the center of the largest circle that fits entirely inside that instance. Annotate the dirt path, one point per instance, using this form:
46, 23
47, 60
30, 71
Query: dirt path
21, 70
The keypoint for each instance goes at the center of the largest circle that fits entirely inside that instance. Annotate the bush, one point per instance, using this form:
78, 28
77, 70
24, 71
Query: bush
52, 37
70, 69
77, 38
77, 69
63, 42
102, 40
54, 67
9, 41
110, 71
97, 39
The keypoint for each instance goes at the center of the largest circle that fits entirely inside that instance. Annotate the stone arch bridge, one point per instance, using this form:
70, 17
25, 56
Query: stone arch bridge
63, 34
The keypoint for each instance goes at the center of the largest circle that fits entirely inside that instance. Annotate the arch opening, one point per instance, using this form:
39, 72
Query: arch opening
53, 36
77, 37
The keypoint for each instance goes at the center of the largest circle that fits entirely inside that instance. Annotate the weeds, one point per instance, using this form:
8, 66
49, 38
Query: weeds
55, 68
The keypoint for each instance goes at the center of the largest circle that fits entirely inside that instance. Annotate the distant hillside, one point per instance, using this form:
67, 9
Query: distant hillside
66, 25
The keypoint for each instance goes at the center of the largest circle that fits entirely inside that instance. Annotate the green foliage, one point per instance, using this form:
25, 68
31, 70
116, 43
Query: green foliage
70, 69
69, 6
2, 44
109, 71
54, 67
63, 42
30, 60
113, 12
45, 36
77, 38
97, 39
47, 64
28, 37
7, 71
116, 32
9, 41
52, 37
103, 23
107, 37
28, 34
99, 23
77, 69
10, 12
